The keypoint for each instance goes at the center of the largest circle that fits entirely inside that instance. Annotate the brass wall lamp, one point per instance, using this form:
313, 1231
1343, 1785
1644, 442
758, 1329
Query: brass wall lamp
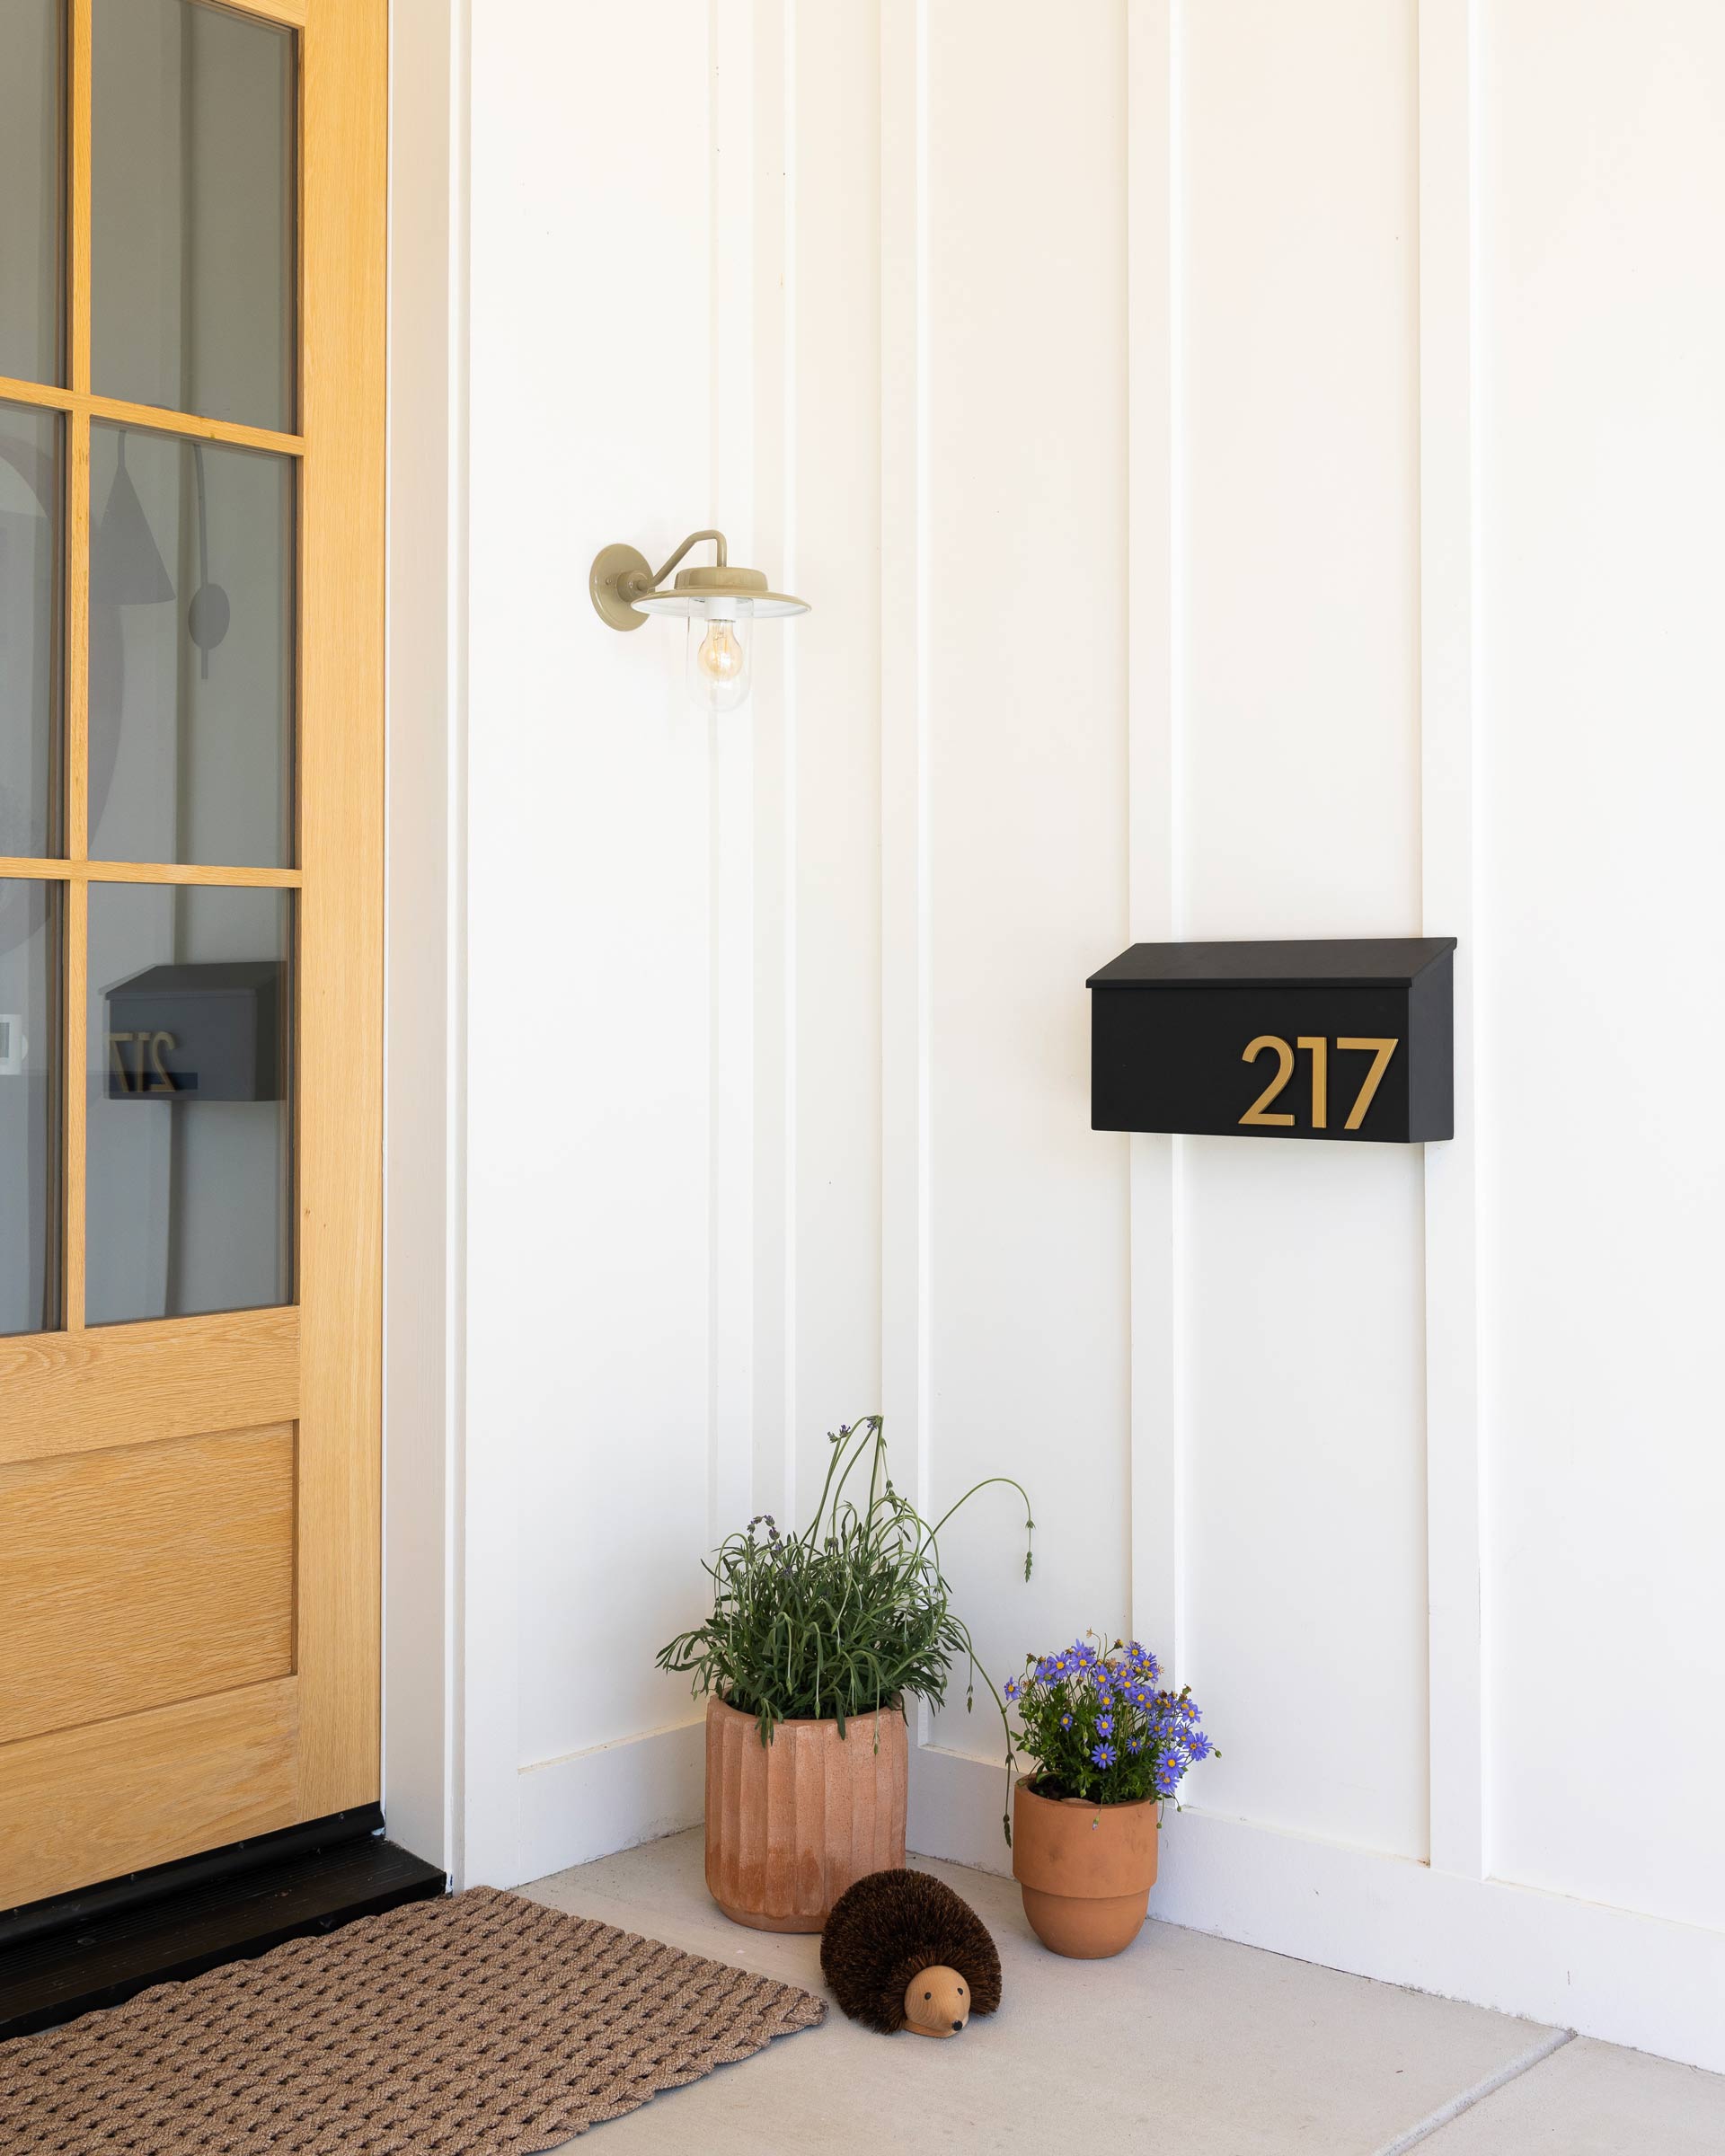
721, 604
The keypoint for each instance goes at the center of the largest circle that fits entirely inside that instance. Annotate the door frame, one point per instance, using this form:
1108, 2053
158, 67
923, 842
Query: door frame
436, 1767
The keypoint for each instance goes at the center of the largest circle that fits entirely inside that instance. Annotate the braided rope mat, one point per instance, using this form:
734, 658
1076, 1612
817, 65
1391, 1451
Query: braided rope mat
484, 2025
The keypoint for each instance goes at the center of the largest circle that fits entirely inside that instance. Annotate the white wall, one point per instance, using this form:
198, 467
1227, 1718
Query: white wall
1602, 934
1254, 467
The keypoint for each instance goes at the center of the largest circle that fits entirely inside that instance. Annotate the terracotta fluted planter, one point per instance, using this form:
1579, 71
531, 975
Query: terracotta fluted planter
1086, 1870
792, 1824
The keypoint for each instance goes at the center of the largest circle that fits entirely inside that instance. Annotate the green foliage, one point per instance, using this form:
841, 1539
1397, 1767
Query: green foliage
850, 1615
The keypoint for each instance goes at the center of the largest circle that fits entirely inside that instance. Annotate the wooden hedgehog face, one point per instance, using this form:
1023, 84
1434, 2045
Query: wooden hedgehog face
901, 1950
937, 2002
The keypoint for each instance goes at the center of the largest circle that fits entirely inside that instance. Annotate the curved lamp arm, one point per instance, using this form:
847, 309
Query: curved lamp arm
635, 583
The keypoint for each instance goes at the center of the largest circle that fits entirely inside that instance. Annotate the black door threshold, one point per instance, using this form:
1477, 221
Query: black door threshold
62, 1958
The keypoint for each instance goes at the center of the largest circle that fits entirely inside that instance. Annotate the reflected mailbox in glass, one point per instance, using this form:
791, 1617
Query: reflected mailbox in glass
190, 1177
199, 1032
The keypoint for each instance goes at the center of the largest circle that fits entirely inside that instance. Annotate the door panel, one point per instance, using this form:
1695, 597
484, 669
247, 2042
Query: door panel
184, 1583
189, 1440
97, 1802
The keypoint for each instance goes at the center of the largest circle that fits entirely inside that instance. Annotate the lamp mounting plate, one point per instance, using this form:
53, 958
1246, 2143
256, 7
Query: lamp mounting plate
610, 564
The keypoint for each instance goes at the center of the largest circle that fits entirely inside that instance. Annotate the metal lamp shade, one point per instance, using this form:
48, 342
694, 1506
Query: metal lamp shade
725, 594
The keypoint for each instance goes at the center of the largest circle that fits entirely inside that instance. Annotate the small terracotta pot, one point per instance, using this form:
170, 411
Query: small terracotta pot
1086, 1870
792, 1824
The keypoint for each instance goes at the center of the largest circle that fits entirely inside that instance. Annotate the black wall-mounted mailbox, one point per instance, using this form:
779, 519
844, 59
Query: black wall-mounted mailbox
209, 1032
1335, 1039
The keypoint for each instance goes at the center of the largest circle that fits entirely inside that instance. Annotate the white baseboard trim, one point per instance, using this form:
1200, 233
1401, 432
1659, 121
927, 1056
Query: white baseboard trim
956, 1806
610, 1796
1604, 1972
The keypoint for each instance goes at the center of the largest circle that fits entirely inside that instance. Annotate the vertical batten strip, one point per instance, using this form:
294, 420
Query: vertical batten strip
773, 811
1448, 606
923, 881
1154, 150
787, 552
731, 826
904, 758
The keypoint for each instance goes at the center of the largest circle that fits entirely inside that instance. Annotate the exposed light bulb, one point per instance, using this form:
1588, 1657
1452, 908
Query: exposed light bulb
720, 656
718, 662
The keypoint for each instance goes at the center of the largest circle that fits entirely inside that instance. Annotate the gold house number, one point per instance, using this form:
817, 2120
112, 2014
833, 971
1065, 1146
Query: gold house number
1315, 1046
157, 1078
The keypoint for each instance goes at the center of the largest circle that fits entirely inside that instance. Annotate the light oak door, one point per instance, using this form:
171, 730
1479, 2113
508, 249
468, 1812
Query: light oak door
191, 593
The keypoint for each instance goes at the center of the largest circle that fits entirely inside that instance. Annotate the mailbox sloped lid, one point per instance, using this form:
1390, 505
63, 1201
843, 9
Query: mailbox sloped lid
1327, 962
220, 976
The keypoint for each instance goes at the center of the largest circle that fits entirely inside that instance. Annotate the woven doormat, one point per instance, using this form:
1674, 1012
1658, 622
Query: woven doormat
479, 2026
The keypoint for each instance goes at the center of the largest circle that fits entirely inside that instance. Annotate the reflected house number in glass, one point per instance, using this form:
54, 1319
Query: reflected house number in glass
133, 1077
1359, 1032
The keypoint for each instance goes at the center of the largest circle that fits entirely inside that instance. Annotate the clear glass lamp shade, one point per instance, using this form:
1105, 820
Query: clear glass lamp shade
717, 669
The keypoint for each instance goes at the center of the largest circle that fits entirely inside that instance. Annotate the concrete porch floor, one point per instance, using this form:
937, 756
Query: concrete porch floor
1185, 2042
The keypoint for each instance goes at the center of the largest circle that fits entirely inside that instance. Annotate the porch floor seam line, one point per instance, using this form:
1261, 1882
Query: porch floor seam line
1466, 2101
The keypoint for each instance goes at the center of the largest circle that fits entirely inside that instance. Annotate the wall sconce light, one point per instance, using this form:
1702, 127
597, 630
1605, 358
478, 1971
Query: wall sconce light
722, 604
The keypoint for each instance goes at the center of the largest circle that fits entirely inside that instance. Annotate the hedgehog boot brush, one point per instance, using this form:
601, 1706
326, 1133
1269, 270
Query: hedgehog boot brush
901, 1950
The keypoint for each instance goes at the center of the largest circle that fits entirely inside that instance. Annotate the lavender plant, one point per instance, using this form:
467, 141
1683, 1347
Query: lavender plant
1099, 1729
849, 1615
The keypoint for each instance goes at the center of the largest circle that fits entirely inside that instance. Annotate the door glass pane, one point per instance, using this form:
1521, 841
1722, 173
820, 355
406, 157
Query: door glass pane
33, 191
191, 652
190, 1196
30, 630
30, 1106
192, 206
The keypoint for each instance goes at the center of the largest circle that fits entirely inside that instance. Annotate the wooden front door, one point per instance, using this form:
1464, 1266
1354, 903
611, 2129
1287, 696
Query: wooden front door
192, 593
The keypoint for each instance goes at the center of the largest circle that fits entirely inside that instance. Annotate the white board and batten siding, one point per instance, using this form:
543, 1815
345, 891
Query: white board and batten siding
1256, 470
